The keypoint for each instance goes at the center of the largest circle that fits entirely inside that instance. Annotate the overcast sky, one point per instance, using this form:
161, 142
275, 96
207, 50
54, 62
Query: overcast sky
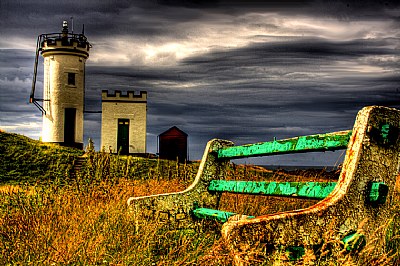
247, 71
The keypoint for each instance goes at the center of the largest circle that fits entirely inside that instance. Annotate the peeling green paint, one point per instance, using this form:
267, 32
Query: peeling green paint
385, 131
354, 241
385, 134
222, 216
314, 190
369, 171
319, 142
378, 192
370, 168
295, 252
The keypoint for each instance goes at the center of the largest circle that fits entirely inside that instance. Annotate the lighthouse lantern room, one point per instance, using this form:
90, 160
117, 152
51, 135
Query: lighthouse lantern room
62, 105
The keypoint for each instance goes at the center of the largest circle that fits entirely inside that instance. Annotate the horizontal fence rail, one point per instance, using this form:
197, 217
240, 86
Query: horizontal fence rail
320, 142
222, 216
311, 190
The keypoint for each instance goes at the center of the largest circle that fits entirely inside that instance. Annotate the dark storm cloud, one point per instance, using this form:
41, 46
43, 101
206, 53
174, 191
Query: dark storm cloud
295, 49
248, 88
144, 18
343, 10
287, 62
141, 18
15, 62
16, 114
282, 4
15, 78
259, 91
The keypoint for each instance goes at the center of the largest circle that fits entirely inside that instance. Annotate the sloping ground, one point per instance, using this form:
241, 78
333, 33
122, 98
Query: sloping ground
86, 221
26, 160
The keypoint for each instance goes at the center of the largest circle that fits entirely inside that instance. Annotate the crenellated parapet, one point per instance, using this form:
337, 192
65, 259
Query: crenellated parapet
129, 96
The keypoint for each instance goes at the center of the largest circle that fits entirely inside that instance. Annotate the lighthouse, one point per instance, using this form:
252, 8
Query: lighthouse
62, 106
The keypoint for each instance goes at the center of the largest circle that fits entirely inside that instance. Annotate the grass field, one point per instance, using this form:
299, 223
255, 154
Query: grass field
48, 218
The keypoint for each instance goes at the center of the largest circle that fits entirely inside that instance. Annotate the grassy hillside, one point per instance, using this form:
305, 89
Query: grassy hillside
26, 160
83, 220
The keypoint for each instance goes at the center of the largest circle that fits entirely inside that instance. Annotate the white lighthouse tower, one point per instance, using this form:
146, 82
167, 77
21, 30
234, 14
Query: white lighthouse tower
64, 56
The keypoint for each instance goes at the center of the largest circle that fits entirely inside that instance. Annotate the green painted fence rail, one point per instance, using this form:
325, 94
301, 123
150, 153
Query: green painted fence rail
205, 213
319, 142
377, 193
311, 190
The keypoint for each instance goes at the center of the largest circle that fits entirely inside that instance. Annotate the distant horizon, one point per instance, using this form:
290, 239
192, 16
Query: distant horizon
254, 161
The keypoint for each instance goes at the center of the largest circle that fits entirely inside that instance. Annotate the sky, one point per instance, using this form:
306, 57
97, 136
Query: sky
246, 71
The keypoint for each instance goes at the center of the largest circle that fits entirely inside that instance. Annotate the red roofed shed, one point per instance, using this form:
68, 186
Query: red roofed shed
172, 144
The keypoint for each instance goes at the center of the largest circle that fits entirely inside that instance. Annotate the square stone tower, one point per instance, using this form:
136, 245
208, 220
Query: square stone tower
123, 122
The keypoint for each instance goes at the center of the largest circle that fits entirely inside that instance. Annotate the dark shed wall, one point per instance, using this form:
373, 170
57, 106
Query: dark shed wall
173, 144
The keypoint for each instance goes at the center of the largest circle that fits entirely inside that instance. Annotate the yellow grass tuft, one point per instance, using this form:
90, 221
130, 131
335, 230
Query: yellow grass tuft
85, 220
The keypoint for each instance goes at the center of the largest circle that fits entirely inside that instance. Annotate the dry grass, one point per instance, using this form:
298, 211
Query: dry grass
77, 225
84, 221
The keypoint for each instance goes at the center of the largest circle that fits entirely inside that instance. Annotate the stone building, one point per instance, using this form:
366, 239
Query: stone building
123, 126
123, 122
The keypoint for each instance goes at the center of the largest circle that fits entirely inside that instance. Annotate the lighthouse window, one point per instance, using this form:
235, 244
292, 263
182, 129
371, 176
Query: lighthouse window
71, 79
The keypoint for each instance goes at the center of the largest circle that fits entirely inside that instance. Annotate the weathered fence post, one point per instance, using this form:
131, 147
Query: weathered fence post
175, 208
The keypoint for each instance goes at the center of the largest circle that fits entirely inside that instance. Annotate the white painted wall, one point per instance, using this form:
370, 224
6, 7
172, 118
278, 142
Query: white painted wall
130, 107
58, 94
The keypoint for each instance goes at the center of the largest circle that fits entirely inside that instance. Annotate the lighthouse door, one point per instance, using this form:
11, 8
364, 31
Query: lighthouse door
69, 126
123, 136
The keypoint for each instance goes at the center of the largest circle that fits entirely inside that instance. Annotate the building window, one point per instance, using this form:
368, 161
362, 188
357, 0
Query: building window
71, 79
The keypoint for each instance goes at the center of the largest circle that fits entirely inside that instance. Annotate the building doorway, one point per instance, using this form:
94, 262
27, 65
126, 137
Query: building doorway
123, 136
69, 126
